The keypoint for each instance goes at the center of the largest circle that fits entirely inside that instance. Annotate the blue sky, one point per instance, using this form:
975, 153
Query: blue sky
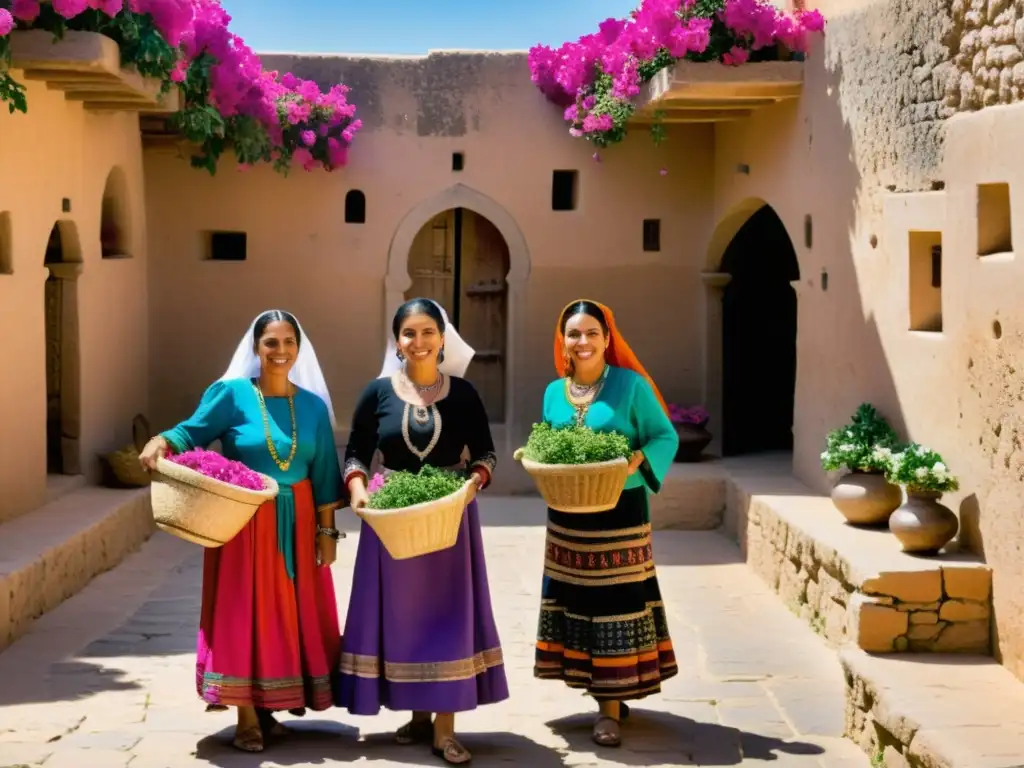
414, 26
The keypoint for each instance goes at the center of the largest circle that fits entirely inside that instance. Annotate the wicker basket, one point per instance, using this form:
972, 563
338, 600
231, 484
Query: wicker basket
578, 487
124, 464
202, 510
421, 528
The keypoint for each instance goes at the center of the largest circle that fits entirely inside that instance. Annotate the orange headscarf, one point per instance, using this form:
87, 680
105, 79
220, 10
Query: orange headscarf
618, 352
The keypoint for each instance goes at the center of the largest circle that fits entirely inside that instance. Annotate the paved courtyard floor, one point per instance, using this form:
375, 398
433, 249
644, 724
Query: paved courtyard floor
107, 679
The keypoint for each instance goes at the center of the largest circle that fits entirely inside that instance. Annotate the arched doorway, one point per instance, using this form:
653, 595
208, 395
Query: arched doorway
460, 259
63, 412
759, 317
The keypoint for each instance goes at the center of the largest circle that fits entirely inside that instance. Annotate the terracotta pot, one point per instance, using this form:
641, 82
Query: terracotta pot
693, 439
922, 524
866, 498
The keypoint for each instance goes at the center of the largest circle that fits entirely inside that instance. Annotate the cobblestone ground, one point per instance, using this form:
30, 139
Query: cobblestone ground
106, 680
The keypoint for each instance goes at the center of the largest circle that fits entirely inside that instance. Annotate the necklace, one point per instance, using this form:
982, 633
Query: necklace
421, 413
283, 465
580, 396
430, 409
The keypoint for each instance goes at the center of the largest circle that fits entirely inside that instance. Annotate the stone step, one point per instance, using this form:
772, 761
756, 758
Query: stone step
936, 711
48, 555
854, 585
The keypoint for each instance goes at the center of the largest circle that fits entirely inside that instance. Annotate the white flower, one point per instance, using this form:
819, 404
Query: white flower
920, 450
939, 468
921, 473
847, 447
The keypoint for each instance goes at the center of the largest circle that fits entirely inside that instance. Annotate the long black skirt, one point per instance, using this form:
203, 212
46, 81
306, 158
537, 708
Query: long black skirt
602, 620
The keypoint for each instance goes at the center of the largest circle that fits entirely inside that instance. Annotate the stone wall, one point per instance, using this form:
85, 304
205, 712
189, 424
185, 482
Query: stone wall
854, 585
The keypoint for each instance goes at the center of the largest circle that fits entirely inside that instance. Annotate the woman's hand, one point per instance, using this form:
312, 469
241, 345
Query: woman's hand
635, 461
326, 550
358, 496
155, 449
476, 482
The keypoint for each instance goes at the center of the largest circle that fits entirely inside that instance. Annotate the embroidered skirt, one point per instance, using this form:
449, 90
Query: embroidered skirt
269, 639
420, 633
602, 621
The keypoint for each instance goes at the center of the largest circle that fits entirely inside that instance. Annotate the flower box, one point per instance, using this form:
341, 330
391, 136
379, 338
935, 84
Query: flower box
86, 66
700, 92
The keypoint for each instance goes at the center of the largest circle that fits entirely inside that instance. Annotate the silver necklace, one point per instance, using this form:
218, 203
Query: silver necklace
421, 413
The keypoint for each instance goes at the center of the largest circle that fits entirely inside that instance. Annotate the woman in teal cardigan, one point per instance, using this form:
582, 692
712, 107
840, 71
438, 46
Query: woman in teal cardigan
602, 621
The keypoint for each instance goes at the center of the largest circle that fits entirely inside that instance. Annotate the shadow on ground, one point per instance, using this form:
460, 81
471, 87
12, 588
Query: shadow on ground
651, 737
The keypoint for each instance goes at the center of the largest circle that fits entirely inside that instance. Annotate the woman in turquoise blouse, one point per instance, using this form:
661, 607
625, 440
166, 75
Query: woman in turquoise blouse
268, 635
602, 621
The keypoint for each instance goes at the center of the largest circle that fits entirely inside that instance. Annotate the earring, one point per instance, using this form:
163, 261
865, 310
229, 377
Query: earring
440, 355
399, 355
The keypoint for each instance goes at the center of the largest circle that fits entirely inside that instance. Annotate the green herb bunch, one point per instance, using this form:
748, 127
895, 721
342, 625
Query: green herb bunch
404, 489
866, 444
574, 445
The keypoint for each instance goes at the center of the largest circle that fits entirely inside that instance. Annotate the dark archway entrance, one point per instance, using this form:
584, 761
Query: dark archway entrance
759, 337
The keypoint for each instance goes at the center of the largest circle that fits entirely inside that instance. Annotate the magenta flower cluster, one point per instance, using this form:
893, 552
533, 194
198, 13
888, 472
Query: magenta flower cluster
284, 105
212, 464
658, 32
677, 414
376, 483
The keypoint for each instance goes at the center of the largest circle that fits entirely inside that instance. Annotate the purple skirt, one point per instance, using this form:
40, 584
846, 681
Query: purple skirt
420, 633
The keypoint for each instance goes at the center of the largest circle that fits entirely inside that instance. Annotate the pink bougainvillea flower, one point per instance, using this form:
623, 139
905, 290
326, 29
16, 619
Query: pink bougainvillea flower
212, 464
25, 10
376, 483
6, 22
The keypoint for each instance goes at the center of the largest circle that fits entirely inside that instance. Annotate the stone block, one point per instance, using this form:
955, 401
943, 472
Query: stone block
875, 627
959, 610
965, 637
968, 583
924, 617
906, 586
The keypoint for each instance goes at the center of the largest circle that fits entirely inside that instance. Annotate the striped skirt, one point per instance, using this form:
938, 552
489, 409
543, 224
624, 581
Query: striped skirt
602, 621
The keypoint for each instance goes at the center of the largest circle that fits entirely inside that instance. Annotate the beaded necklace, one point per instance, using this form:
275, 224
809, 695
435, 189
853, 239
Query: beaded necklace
283, 465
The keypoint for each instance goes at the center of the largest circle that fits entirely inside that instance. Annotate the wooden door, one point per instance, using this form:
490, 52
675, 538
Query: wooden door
432, 262
483, 309
470, 264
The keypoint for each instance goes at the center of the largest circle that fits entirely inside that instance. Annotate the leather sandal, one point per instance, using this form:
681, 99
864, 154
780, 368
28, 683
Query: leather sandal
606, 732
249, 740
415, 732
452, 752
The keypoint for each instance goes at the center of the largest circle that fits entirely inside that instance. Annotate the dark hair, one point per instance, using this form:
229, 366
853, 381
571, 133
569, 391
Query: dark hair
584, 307
275, 316
417, 307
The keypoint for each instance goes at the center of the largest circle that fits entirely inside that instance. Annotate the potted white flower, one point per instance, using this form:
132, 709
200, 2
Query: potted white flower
921, 523
862, 450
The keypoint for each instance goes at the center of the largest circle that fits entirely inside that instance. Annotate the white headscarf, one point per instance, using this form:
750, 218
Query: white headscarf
457, 353
306, 373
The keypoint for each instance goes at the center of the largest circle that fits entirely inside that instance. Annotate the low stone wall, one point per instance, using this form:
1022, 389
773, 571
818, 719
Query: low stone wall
48, 555
855, 585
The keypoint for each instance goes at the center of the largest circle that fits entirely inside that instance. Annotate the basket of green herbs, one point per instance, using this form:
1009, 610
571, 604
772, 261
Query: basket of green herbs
416, 513
576, 469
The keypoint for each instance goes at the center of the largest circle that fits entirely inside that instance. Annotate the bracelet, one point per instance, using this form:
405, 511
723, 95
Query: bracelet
333, 533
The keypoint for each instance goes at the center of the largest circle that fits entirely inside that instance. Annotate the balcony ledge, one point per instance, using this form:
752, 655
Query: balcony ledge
86, 67
711, 92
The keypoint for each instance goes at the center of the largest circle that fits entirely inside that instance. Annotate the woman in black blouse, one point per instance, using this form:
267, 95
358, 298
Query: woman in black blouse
420, 633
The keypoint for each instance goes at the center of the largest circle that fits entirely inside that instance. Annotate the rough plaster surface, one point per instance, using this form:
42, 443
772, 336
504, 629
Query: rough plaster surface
445, 87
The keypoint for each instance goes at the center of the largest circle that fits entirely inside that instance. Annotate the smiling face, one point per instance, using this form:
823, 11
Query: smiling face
278, 347
585, 342
420, 339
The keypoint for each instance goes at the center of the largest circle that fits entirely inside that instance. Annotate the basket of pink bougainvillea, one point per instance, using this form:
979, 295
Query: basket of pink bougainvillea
206, 498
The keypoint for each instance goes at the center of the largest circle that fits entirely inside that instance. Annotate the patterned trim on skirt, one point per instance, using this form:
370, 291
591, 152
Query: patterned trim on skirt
602, 622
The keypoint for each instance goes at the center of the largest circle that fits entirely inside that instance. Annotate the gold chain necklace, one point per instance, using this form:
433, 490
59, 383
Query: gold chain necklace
283, 465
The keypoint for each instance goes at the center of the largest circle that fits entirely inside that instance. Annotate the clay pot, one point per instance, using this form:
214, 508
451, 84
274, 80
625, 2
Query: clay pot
866, 498
693, 439
922, 524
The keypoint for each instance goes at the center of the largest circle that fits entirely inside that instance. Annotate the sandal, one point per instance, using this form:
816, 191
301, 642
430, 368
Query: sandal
606, 732
452, 752
249, 740
414, 732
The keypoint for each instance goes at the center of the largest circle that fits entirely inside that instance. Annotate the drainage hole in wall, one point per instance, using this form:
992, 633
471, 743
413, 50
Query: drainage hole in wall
997, 329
